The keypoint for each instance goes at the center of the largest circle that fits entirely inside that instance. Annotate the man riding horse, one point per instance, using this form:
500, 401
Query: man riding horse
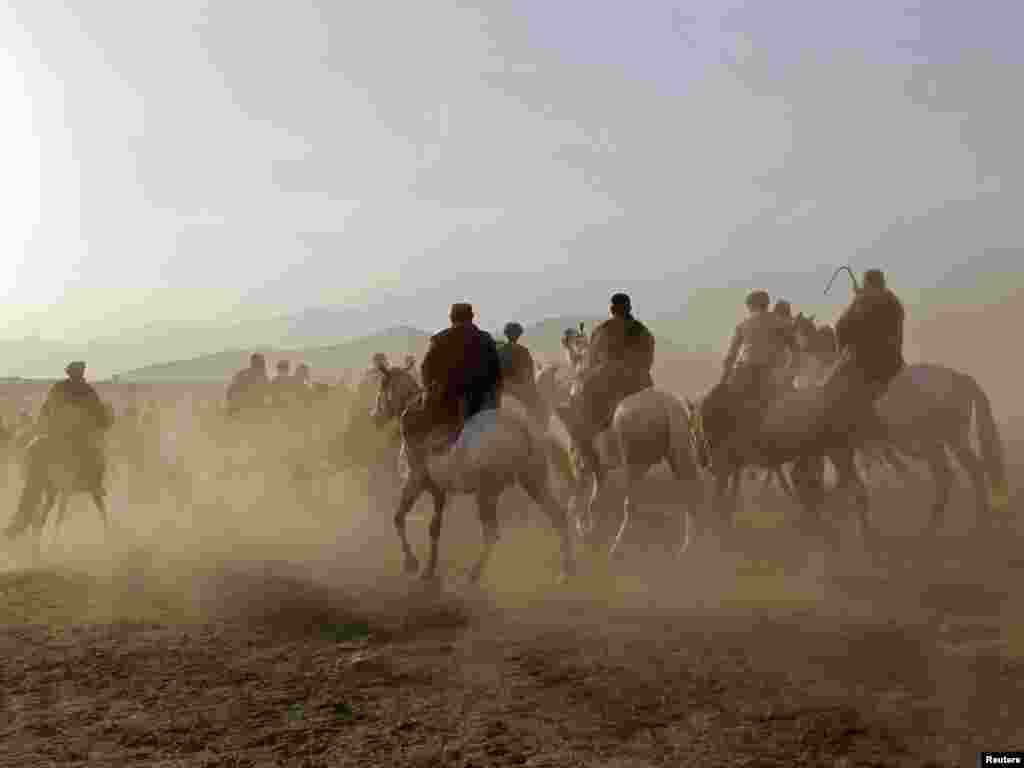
74, 413
869, 335
618, 364
758, 348
461, 375
518, 369
249, 388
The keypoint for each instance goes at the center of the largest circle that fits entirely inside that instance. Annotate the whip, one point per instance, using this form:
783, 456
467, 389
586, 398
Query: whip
853, 279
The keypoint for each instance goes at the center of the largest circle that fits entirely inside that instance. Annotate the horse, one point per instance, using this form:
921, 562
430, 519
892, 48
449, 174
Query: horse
495, 449
52, 478
646, 428
927, 410
792, 429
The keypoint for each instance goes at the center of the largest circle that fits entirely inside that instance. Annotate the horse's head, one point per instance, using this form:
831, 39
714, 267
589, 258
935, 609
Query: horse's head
396, 390
805, 331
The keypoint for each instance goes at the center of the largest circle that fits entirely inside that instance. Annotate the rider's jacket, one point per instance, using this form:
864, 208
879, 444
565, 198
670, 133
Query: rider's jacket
462, 368
870, 331
73, 409
760, 340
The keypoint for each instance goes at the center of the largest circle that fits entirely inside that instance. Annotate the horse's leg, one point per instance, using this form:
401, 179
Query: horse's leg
487, 506
808, 476
101, 507
942, 473
685, 472
784, 483
634, 474
599, 476
42, 514
63, 501
976, 472
538, 488
721, 514
851, 478
410, 492
439, 496
734, 499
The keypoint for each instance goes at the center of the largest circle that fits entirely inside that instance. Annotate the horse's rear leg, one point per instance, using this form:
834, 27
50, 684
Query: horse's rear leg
538, 487
976, 472
39, 523
410, 492
62, 513
487, 504
686, 474
435, 527
850, 479
942, 473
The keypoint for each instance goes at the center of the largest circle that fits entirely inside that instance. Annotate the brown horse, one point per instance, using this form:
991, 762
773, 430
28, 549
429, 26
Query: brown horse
52, 477
793, 429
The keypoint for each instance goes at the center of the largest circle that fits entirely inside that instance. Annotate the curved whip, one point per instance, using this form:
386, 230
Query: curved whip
853, 278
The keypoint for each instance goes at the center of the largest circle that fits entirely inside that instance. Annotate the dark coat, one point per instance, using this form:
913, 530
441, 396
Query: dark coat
622, 344
619, 361
462, 371
92, 416
516, 364
871, 330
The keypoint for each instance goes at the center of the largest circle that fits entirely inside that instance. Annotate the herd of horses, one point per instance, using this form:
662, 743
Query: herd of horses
928, 411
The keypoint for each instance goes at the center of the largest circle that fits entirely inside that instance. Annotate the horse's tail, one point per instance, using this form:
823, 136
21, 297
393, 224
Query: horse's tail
991, 444
36, 481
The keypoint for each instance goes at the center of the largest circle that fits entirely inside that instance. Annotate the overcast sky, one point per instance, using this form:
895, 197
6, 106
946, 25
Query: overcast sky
189, 164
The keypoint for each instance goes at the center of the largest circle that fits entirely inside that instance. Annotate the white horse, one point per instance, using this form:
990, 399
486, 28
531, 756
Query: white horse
495, 450
647, 428
928, 410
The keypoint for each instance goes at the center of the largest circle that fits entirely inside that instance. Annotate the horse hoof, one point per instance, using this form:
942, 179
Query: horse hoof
429, 576
412, 565
474, 575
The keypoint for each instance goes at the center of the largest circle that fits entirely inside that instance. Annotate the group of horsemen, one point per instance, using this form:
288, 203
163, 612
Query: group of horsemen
465, 371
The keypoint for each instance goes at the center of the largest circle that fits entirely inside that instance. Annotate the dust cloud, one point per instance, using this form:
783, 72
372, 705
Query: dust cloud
209, 528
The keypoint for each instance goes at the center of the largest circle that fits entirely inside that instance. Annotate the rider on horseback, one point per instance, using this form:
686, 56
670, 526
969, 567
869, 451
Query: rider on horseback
869, 335
248, 388
518, 369
74, 412
301, 384
461, 375
758, 347
281, 386
618, 364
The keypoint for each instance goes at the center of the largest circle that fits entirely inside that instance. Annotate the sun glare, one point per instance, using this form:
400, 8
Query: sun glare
19, 173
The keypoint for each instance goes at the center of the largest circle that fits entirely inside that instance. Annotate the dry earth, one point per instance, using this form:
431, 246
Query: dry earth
243, 632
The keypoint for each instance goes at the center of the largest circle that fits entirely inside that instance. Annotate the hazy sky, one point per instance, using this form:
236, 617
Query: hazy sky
185, 163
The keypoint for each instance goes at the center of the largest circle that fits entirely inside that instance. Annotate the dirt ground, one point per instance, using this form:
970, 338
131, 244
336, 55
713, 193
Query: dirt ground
242, 631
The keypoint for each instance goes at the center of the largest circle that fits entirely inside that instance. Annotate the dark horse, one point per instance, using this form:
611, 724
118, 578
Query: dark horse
798, 428
52, 475
496, 449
